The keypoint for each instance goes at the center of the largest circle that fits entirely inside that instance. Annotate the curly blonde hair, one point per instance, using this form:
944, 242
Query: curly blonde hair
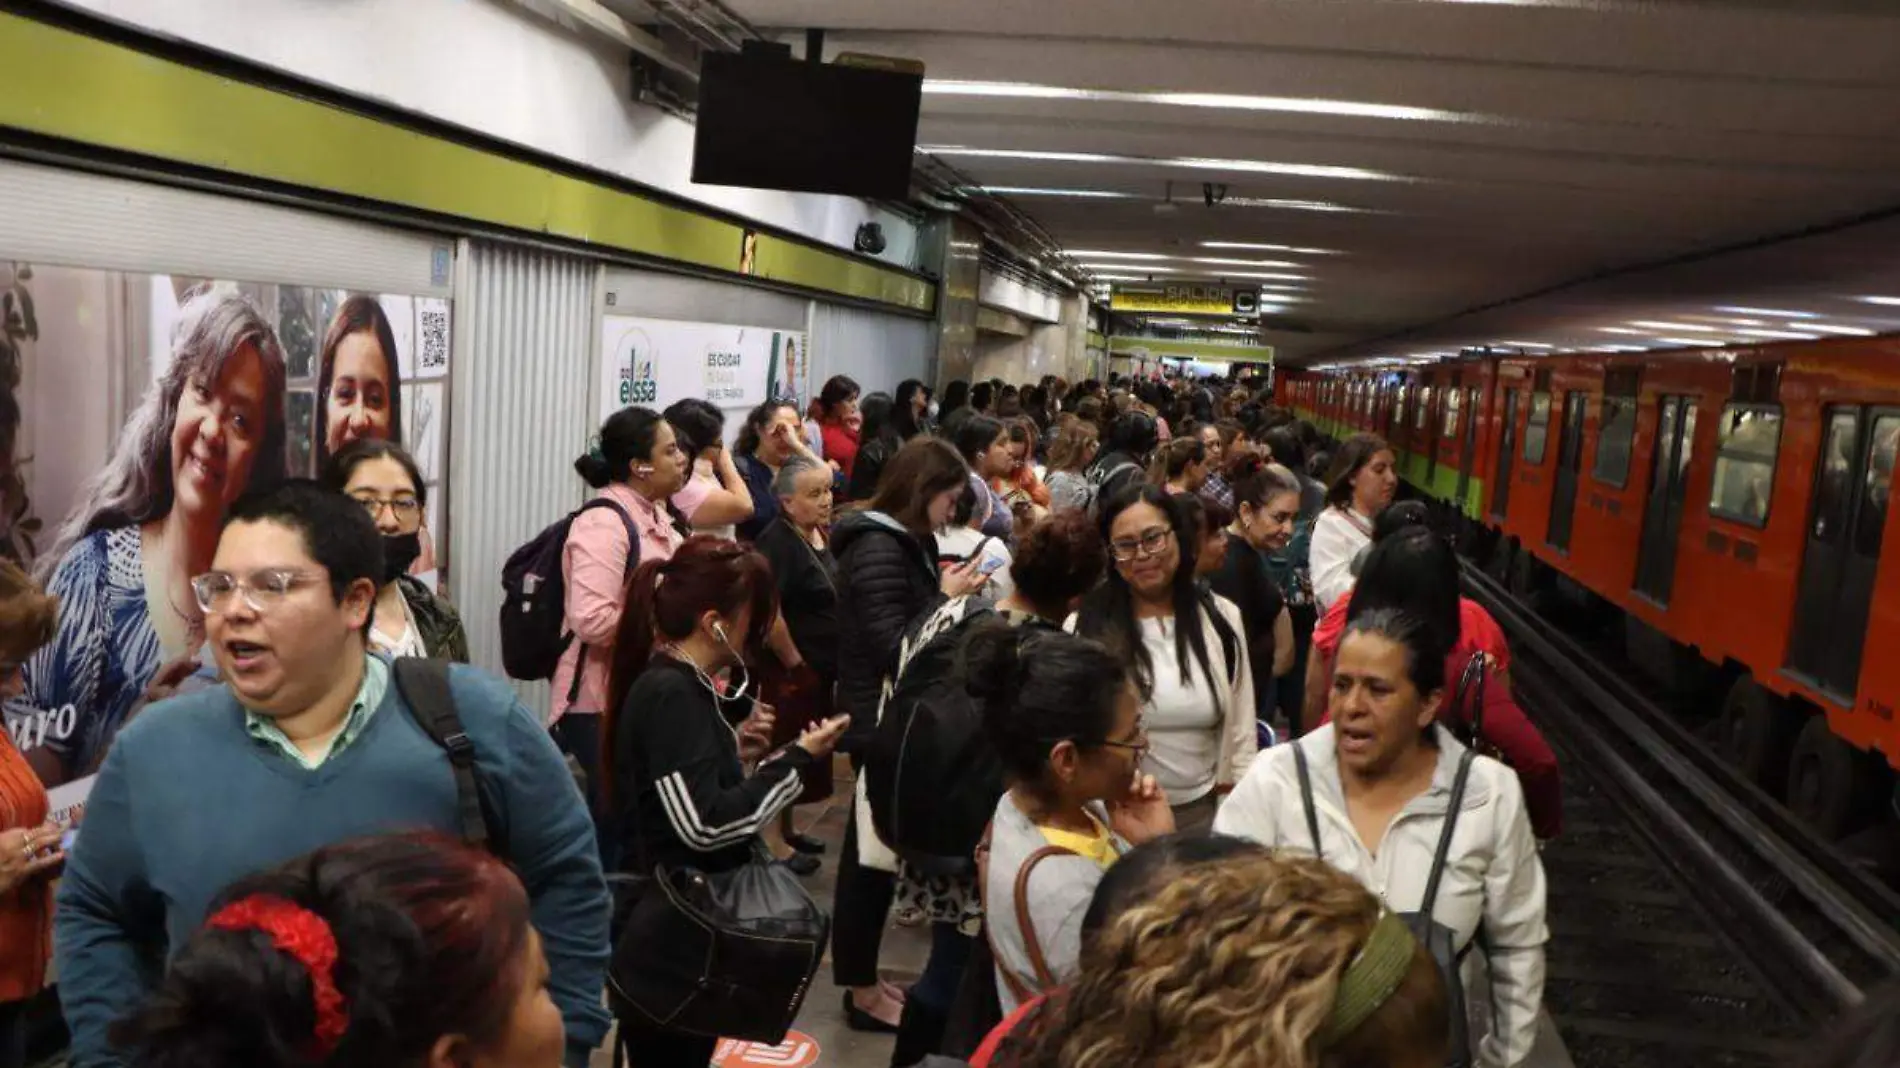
1236, 963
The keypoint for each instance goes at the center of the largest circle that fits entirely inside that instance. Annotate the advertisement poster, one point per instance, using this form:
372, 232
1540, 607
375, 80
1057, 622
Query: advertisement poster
655, 362
134, 408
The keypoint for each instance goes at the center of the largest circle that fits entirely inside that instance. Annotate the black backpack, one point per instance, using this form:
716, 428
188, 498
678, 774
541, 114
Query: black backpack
534, 630
931, 776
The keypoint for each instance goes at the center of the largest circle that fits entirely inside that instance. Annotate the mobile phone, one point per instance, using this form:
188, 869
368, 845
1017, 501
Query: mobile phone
991, 566
977, 553
66, 840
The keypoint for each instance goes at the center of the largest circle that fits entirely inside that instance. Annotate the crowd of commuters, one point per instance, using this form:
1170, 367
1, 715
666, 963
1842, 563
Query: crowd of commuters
1233, 727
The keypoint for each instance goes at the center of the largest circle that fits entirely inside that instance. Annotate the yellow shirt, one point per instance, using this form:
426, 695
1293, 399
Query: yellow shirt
1099, 847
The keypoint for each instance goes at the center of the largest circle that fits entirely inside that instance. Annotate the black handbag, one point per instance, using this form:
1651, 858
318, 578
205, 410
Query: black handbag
726, 954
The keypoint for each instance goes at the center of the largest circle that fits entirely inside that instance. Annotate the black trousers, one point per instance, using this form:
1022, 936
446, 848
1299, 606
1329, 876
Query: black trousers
578, 735
651, 1047
13, 1034
858, 911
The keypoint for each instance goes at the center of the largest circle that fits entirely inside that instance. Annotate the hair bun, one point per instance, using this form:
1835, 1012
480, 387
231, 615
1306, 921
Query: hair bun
592, 466
992, 659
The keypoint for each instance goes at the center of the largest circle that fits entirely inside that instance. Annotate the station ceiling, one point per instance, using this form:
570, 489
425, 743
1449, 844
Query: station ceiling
1412, 176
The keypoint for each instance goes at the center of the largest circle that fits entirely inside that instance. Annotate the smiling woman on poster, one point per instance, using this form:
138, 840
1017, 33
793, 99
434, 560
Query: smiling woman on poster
209, 429
358, 378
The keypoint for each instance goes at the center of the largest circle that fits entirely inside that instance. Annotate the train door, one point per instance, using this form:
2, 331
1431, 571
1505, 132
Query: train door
1507, 455
1843, 551
1563, 500
1668, 489
1468, 448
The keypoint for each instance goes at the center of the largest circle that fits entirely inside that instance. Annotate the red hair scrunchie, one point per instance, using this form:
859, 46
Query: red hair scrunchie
306, 936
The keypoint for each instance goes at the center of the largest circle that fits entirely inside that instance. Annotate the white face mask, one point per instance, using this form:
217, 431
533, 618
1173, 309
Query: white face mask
930, 410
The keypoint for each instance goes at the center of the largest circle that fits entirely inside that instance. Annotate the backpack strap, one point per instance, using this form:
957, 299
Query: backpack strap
1468, 706
424, 686
1444, 838
1306, 799
633, 561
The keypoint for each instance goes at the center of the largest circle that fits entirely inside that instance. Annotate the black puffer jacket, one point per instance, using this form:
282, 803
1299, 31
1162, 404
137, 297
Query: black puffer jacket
887, 578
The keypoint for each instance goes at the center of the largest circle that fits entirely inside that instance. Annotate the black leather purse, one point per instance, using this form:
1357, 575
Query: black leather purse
728, 954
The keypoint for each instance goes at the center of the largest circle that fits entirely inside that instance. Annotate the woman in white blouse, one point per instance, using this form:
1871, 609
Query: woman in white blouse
1364, 478
1186, 648
1372, 792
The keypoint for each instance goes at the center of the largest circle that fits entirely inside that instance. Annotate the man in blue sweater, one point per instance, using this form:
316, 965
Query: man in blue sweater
306, 743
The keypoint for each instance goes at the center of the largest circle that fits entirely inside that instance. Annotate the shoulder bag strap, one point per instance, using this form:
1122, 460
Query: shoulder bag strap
1470, 696
1444, 837
1031, 944
1016, 988
633, 561
1306, 799
424, 686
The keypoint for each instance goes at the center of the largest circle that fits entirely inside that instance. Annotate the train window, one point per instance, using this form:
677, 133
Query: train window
1424, 407
1537, 428
1749, 439
1453, 401
1870, 523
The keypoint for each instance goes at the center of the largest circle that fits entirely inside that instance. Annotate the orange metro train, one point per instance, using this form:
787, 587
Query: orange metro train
1732, 501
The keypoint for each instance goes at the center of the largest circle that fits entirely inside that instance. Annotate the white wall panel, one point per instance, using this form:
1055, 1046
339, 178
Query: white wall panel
877, 350
526, 344
51, 215
655, 295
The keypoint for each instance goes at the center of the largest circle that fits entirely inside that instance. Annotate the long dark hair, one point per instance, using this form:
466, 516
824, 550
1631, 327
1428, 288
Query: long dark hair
880, 420
1352, 458
697, 423
923, 468
431, 937
955, 395
903, 419
837, 389
628, 435
1413, 571
1108, 611
665, 599
359, 314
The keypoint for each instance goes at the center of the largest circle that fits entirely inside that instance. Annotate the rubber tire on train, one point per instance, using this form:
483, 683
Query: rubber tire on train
1758, 730
1832, 787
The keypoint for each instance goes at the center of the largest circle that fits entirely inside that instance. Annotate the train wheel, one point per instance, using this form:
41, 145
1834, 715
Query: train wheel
1832, 787
1758, 729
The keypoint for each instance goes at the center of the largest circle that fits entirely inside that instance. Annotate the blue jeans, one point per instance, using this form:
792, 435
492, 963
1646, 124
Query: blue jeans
949, 953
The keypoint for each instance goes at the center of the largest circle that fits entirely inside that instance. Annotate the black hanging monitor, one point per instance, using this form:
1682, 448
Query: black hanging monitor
772, 122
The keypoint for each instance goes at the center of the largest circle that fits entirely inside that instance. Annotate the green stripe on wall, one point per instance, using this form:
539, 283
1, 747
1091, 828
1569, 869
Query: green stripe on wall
61, 83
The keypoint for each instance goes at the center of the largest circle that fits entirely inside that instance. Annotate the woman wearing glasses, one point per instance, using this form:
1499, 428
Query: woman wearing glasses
1184, 646
1065, 718
409, 619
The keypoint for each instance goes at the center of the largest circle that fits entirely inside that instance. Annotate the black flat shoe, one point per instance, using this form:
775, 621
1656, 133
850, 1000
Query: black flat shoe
805, 843
859, 1020
801, 865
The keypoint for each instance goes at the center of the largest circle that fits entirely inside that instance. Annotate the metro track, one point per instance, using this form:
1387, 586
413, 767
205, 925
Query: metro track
1694, 920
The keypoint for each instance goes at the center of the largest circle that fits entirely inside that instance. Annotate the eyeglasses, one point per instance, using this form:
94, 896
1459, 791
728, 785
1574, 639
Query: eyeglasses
1149, 544
262, 590
403, 508
1139, 746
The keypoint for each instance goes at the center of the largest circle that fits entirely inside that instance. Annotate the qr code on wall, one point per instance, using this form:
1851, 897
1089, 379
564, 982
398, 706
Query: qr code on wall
432, 344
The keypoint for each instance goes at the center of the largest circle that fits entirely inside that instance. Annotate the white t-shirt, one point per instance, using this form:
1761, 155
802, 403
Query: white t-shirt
405, 642
957, 543
1338, 536
1183, 717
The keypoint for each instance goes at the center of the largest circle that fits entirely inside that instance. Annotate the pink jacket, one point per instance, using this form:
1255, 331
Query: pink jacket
594, 566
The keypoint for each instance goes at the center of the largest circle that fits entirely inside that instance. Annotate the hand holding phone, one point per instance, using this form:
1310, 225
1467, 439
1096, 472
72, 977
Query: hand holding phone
990, 566
821, 739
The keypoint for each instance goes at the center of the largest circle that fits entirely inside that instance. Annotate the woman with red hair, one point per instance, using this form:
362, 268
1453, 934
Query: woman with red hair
391, 950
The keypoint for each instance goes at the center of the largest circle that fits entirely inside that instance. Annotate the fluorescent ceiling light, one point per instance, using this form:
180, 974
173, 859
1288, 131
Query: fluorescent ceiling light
1620, 348
1775, 312
1085, 253
1143, 268
1527, 344
1035, 191
1252, 246
1778, 335
1651, 324
1241, 263
1230, 202
1621, 330
1830, 328
1247, 166
1890, 302
1265, 277
1226, 101
1691, 342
